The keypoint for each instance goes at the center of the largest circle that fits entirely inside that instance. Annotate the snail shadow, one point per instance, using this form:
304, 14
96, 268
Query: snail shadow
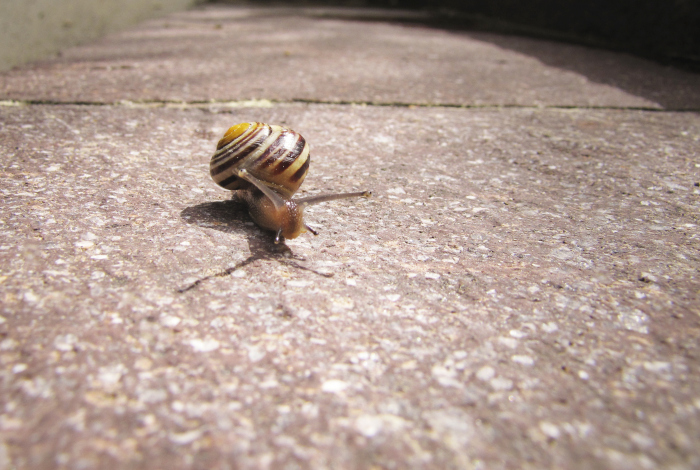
232, 217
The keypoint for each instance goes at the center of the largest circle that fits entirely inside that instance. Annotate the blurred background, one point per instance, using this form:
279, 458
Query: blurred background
667, 31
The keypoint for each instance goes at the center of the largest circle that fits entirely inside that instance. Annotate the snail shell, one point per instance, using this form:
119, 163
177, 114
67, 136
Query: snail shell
268, 163
277, 156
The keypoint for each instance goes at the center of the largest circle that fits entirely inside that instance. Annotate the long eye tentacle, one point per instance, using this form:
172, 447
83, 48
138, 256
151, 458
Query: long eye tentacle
311, 200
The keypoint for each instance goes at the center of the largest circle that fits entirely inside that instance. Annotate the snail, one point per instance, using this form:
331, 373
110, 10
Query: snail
267, 164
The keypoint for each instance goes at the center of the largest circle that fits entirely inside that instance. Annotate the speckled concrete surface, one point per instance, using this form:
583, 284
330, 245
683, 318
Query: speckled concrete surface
521, 292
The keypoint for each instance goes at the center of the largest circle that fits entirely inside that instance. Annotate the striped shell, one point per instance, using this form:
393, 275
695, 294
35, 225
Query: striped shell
277, 156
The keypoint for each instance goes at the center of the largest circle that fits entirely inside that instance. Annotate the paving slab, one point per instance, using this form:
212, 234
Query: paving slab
223, 53
520, 292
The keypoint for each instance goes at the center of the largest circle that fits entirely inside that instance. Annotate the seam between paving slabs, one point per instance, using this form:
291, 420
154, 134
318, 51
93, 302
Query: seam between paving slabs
265, 103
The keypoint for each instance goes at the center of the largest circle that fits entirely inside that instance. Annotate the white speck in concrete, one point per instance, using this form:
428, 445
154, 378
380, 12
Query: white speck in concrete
8, 344
184, 438
368, 425
430, 275
550, 430
255, 353
393, 297
84, 244
17, 368
485, 373
501, 383
533, 289
334, 386
371, 425
583, 375
204, 345
549, 327
524, 360
65, 342
239, 273
396, 191
269, 383
343, 303
445, 376
458, 355
170, 321
657, 366
109, 376
634, 320
512, 343
152, 395
517, 334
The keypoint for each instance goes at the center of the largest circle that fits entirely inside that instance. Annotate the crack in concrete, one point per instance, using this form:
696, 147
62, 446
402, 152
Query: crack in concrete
268, 103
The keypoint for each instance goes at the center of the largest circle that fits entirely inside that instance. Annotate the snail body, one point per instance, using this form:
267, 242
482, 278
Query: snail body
267, 164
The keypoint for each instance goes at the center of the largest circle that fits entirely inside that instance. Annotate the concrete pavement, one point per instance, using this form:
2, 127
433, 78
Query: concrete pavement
521, 292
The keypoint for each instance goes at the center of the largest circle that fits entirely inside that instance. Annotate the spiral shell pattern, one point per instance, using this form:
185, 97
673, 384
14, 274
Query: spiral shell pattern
273, 154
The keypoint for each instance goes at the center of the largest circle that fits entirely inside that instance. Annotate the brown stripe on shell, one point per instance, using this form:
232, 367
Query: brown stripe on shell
226, 164
301, 171
225, 183
250, 133
291, 156
235, 156
247, 141
272, 153
223, 142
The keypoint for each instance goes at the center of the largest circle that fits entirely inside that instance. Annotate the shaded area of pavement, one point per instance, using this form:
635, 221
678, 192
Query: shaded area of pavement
522, 291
